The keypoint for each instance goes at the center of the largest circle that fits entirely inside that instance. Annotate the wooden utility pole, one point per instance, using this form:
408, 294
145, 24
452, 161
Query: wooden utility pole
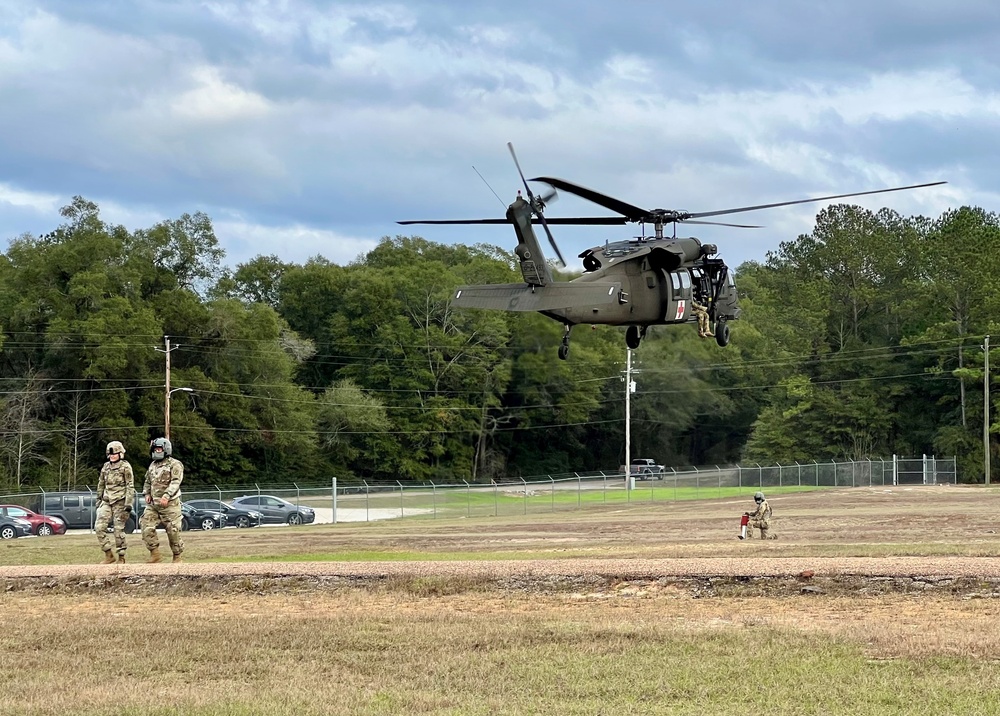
166, 394
166, 388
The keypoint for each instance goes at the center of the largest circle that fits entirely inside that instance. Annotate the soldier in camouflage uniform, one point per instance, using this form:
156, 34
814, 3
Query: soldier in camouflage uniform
760, 518
701, 313
115, 497
162, 491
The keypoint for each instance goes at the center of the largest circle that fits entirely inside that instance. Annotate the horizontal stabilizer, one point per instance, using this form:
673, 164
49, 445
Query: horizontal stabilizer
522, 297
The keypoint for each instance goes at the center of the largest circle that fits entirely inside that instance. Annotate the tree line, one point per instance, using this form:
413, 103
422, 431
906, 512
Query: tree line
860, 339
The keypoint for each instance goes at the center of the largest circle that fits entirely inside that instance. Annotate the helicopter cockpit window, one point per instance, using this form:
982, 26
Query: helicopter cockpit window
730, 279
685, 279
675, 281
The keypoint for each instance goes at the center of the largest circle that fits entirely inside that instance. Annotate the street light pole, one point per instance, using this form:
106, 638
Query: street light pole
986, 406
628, 419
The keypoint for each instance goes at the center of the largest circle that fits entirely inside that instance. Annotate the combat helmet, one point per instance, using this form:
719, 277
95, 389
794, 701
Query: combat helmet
758, 497
114, 448
163, 444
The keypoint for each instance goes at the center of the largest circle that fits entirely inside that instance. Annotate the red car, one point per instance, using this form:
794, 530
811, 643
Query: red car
40, 524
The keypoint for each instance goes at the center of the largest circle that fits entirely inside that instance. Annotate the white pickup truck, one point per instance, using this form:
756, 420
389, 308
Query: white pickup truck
644, 468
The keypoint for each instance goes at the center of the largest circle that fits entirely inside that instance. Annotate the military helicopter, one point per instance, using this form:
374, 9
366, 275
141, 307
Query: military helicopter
642, 282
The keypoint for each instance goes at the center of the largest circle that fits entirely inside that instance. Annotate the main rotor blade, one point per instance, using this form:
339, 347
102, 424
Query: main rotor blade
719, 223
575, 221
806, 201
633, 213
455, 221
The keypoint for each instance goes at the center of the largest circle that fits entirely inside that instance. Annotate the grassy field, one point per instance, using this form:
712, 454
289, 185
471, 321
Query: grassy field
137, 641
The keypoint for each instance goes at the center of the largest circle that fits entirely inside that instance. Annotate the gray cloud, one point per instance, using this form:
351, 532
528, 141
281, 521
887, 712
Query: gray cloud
329, 121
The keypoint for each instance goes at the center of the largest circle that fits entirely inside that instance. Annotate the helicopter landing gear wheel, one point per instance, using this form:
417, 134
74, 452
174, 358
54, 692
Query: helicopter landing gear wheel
722, 333
633, 337
564, 348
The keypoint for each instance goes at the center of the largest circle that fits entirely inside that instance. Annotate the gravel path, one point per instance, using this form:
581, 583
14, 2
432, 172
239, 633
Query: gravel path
938, 567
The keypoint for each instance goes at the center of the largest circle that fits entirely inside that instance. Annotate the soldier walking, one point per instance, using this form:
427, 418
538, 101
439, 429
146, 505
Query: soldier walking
162, 491
115, 496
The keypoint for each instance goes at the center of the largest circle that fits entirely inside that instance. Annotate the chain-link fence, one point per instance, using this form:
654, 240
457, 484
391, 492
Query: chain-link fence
334, 503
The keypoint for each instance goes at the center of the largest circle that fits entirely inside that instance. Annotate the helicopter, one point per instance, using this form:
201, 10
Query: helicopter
637, 283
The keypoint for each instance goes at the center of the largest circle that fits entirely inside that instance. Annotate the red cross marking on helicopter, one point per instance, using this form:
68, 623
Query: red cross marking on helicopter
680, 311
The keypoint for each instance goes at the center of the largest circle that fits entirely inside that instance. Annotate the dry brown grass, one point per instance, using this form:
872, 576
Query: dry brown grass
556, 636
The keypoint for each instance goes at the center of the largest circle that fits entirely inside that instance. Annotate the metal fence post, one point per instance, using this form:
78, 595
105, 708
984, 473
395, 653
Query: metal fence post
720, 479
495, 506
434, 502
817, 472
799, 471
401, 510
368, 493
298, 495
468, 499
334, 493
525, 495
553, 494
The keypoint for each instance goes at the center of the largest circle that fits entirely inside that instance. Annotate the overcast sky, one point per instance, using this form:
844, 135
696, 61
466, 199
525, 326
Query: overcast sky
308, 128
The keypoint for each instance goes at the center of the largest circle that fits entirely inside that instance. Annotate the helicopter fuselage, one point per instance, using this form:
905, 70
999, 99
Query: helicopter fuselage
659, 279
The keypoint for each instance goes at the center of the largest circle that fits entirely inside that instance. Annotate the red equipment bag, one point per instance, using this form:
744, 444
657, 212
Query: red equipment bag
744, 521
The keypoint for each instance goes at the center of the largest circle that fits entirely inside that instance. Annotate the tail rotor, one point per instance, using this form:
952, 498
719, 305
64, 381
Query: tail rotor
538, 205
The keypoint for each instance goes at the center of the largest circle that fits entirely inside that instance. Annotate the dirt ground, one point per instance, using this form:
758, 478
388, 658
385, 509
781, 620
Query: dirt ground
929, 534
911, 571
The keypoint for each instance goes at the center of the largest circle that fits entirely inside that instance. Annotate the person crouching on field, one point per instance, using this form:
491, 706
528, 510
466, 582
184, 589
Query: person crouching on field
760, 517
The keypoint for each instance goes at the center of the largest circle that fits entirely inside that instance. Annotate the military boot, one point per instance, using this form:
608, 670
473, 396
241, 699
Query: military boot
177, 558
109, 557
121, 559
154, 555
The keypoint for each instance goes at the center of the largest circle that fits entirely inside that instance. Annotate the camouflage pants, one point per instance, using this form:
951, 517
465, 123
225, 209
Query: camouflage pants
106, 514
703, 329
170, 518
762, 525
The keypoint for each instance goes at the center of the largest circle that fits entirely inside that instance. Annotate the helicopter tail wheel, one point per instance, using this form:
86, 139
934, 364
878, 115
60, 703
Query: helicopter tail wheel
722, 333
632, 337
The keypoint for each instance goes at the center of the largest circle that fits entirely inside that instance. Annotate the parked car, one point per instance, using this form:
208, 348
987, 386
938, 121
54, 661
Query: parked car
42, 525
275, 510
235, 516
13, 527
193, 518
645, 468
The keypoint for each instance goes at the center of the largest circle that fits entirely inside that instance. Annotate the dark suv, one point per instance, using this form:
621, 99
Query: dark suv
77, 509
